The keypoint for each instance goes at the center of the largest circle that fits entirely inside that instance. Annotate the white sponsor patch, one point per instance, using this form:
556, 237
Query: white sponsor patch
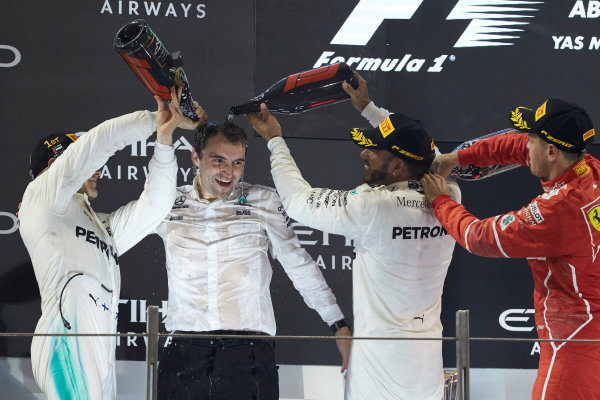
553, 192
535, 212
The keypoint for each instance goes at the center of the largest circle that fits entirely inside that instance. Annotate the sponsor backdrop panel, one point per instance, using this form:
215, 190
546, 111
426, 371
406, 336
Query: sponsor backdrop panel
458, 65
59, 72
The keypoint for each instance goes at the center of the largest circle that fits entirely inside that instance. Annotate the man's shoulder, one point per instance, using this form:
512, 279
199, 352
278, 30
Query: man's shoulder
39, 185
257, 191
253, 187
185, 189
364, 192
30, 190
366, 188
183, 196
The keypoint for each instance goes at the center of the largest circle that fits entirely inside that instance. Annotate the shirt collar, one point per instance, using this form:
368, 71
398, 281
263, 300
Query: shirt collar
410, 184
575, 171
235, 193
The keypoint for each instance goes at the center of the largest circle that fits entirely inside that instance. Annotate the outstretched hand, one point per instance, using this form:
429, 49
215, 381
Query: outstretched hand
265, 123
190, 124
444, 163
359, 96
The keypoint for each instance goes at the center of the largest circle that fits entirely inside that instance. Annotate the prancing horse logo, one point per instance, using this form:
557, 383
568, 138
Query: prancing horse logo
594, 217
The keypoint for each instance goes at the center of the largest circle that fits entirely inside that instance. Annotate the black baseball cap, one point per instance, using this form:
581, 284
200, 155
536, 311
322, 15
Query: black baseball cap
48, 147
563, 124
402, 136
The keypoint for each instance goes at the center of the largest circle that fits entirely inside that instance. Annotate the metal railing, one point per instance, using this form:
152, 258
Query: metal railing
457, 385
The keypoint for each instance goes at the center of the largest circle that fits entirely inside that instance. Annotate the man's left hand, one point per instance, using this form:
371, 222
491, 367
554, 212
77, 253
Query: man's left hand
434, 185
169, 117
265, 123
359, 96
344, 346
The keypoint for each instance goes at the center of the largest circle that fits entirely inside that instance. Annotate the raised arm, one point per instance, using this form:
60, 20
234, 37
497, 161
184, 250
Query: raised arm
132, 222
334, 211
515, 234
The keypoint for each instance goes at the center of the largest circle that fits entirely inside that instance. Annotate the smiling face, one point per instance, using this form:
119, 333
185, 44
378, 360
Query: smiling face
220, 168
377, 166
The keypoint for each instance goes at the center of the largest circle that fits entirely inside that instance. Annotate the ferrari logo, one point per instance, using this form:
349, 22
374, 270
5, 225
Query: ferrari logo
594, 216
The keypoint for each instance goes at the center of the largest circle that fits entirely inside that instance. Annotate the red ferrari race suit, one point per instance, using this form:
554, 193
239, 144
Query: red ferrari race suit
559, 234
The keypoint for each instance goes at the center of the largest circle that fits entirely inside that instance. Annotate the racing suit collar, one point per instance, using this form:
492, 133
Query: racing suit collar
83, 197
575, 171
410, 184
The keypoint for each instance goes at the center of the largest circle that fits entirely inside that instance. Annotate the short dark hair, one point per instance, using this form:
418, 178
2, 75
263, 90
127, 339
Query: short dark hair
416, 170
574, 157
233, 133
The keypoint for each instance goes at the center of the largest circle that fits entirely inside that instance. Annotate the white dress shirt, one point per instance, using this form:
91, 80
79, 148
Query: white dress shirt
218, 267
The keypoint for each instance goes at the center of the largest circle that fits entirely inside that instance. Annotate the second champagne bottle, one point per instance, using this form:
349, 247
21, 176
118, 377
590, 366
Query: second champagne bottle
302, 91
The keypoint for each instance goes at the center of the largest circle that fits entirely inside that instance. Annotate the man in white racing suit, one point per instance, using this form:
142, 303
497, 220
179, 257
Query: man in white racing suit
217, 238
75, 251
402, 252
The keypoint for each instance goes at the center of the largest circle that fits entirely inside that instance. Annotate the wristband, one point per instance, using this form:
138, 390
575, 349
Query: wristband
339, 325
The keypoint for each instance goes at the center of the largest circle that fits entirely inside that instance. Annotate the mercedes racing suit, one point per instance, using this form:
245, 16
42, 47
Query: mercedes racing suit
219, 275
402, 256
74, 252
559, 234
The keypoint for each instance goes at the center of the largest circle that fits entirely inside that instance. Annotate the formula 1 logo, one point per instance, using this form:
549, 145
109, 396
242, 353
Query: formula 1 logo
15, 56
493, 22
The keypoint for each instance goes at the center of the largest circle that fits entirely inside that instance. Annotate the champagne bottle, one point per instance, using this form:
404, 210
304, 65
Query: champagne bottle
473, 172
302, 91
157, 68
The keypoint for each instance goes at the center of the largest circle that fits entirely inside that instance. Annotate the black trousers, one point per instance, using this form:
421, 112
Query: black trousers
218, 369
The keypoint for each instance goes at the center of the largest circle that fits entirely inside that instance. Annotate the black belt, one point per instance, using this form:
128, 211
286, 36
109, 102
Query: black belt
215, 338
218, 334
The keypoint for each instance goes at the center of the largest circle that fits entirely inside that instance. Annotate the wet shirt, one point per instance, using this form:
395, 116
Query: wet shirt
218, 265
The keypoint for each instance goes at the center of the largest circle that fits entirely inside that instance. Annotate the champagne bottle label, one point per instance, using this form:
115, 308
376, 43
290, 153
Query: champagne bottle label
302, 91
305, 78
472, 172
154, 65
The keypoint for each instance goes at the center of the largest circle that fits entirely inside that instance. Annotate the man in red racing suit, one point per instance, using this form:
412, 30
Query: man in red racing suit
558, 232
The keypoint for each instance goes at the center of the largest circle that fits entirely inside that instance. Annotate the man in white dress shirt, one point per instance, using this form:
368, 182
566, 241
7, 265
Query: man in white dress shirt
217, 237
